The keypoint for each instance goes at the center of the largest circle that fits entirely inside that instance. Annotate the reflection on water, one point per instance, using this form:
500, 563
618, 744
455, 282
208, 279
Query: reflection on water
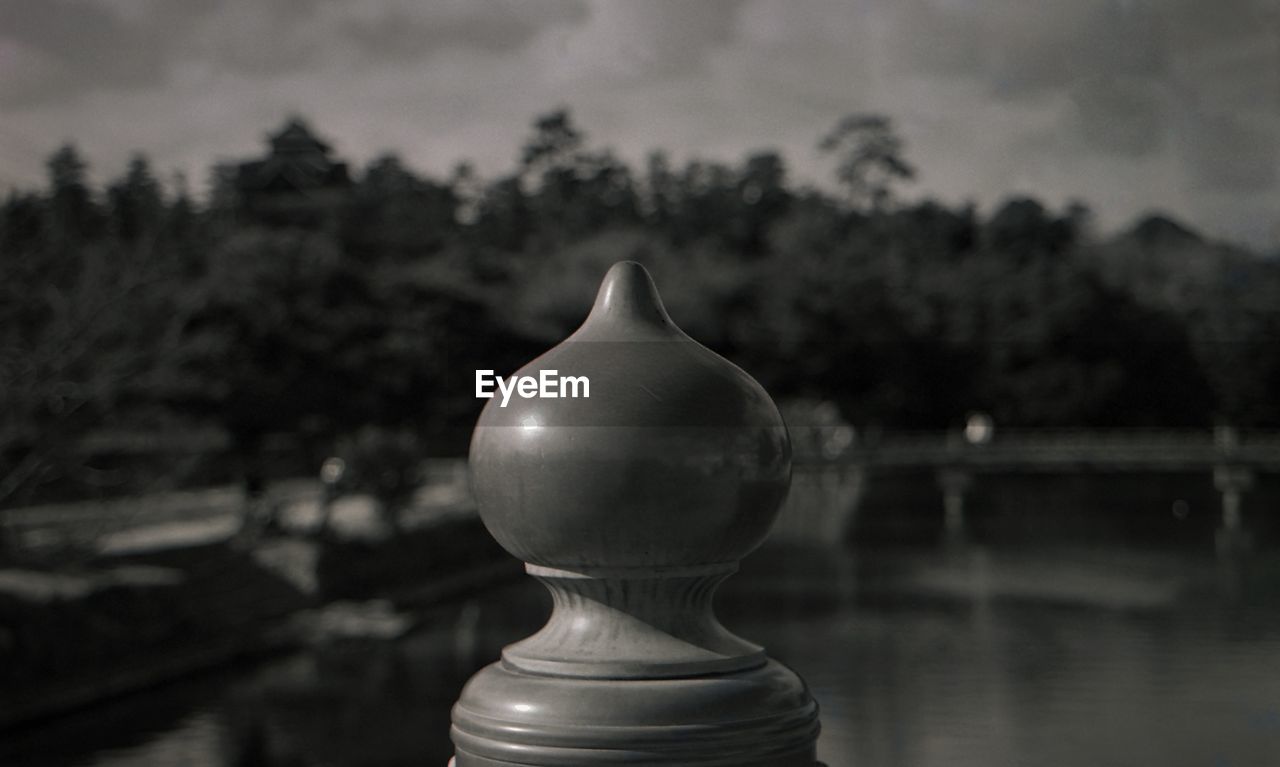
1026, 683
930, 660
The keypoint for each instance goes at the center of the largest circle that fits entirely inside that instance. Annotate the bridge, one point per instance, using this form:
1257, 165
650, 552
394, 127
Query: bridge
1029, 450
832, 471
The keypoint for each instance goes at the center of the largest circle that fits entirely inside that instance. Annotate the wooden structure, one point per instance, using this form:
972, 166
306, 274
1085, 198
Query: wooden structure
298, 182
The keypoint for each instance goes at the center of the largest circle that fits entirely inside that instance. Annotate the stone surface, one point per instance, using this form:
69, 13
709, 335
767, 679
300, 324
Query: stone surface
631, 506
748, 719
677, 458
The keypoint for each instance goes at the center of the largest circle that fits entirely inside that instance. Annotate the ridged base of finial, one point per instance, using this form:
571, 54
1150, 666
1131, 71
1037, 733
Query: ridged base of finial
764, 717
633, 623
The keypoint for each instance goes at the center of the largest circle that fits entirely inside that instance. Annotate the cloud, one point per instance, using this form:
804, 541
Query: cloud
56, 48
59, 49
630, 41
273, 38
1025, 50
1129, 104
1121, 115
1224, 152
1183, 91
28, 72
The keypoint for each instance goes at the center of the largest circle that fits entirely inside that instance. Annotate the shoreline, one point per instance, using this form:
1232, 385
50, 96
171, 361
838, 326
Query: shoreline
71, 640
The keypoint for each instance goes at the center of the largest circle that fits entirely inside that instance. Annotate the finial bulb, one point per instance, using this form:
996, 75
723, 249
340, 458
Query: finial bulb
677, 458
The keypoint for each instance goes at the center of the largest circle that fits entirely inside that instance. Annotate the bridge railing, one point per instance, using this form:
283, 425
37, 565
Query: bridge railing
1048, 449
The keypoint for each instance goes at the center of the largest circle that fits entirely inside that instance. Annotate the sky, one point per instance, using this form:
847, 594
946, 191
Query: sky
1131, 106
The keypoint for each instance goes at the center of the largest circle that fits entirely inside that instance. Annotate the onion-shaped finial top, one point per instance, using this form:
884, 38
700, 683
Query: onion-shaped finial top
675, 457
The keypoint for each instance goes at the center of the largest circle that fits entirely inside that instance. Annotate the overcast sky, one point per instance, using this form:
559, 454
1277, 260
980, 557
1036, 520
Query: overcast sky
1129, 105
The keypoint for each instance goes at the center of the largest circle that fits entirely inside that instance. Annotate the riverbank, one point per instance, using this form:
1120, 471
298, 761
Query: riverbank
133, 616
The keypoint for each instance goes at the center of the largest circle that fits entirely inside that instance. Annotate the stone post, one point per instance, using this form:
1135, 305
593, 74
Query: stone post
631, 506
954, 483
1232, 482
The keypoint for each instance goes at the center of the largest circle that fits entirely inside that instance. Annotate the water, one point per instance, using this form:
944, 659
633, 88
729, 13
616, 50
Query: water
1027, 683
977, 657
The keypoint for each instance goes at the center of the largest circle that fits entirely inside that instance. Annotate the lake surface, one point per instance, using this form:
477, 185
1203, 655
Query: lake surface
977, 656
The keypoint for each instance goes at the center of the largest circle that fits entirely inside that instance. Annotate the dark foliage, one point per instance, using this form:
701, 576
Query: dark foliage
372, 300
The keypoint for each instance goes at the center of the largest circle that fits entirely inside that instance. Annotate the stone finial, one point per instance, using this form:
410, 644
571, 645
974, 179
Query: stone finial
631, 505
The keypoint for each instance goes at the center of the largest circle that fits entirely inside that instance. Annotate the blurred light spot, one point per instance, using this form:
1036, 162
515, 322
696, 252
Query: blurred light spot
979, 429
838, 440
332, 470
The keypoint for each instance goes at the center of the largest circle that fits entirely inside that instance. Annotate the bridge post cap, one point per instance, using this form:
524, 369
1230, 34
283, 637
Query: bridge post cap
631, 506
676, 458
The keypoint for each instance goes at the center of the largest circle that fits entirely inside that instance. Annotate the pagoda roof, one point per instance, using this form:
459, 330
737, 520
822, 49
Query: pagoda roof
295, 137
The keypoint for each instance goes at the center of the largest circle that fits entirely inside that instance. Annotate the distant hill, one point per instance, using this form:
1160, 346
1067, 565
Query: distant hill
1157, 229
1166, 263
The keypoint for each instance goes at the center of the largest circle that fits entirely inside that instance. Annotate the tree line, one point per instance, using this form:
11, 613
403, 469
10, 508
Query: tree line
136, 306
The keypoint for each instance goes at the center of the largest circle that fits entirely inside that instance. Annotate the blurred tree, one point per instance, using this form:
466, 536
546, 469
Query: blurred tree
831, 328
551, 170
504, 222
77, 352
135, 202
1025, 232
437, 328
87, 319
130, 302
386, 464
606, 195
275, 311
394, 214
467, 191
73, 213
1223, 296
868, 158
701, 285
1062, 347
553, 147
762, 190
1075, 353
224, 203
573, 191
709, 202
660, 197
24, 228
